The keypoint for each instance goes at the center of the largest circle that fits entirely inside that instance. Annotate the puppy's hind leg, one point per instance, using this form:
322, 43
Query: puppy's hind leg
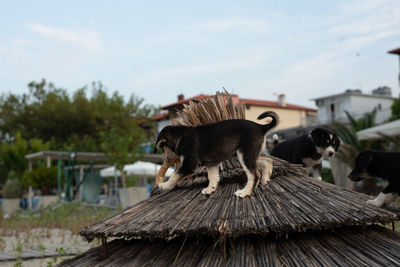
266, 166
250, 172
213, 179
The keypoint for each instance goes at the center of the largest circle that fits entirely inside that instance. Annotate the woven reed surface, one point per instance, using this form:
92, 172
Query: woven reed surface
290, 203
343, 247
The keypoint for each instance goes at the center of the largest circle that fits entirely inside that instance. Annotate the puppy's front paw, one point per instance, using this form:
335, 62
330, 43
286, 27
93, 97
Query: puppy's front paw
207, 191
318, 178
242, 193
164, 186
374, 202
265, 180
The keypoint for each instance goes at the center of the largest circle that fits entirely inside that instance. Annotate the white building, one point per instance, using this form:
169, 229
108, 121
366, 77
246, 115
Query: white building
332, 108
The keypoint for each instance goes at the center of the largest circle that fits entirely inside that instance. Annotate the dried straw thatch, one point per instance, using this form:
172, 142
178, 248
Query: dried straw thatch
348, 246
287, 204
218, 108
222, 229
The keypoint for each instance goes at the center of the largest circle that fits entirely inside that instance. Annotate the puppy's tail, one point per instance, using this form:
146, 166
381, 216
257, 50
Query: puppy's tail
274, 120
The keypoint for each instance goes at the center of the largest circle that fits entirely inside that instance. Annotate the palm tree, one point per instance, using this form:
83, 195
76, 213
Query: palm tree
351, 146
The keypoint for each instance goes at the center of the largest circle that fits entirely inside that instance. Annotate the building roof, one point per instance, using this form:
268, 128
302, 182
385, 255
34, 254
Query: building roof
253, 102
161, 116
395, 51
180, 102
355, 94
348, 246
83, 156
380, 131
80, 156
273, 104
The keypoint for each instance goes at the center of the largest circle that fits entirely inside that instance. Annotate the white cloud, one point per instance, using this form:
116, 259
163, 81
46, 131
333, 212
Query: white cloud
20, 42
255, 25
220, 66
373, 23
88, 40
364, 5
369, 17
357, 42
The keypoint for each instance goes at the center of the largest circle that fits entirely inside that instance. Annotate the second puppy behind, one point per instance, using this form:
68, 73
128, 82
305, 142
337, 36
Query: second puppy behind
309, 149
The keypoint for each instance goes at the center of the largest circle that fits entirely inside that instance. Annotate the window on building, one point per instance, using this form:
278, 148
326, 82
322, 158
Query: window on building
332, 112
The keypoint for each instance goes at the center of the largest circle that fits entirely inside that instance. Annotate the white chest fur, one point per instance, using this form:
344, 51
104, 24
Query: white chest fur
309, 162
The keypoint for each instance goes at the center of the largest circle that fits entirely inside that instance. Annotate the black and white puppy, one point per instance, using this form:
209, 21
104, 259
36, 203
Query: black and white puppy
385, 165
209, 145
309, 149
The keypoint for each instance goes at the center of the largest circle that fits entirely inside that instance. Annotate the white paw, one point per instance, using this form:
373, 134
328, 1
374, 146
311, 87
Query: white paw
265, 180
375, 203
318, 178
207, 191
242, 193
165, 186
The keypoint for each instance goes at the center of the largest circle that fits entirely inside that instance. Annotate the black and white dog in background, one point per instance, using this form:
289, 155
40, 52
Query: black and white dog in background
385, 165
309, 149
209, 145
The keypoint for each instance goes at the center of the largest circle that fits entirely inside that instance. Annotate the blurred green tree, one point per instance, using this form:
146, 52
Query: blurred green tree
50, 114
47, 118
42, 177
122, 148
12, 155
395, 109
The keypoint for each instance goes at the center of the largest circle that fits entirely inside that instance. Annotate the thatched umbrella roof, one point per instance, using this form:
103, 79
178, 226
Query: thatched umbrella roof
347, 246
294, 220
289, 203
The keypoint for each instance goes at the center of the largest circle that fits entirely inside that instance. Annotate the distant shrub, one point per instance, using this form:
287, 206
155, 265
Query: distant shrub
43, 178
12, 189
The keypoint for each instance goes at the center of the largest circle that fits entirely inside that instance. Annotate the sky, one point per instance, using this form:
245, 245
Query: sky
160, 49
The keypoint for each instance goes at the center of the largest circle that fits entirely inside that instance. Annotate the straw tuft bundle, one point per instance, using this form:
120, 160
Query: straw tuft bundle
217, 108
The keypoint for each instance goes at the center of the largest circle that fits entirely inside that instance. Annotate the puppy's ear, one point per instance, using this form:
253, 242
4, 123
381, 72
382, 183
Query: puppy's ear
337, 143
316, 133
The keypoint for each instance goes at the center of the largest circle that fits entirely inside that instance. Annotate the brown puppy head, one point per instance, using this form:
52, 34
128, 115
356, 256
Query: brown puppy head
361, 166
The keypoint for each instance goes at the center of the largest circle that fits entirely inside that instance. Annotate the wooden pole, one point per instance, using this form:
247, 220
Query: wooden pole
104, 243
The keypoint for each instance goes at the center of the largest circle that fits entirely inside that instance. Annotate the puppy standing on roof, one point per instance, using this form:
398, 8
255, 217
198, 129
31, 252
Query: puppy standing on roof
309, 149
209, 145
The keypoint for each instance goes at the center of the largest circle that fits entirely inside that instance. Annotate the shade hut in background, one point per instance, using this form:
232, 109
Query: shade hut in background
292, 221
